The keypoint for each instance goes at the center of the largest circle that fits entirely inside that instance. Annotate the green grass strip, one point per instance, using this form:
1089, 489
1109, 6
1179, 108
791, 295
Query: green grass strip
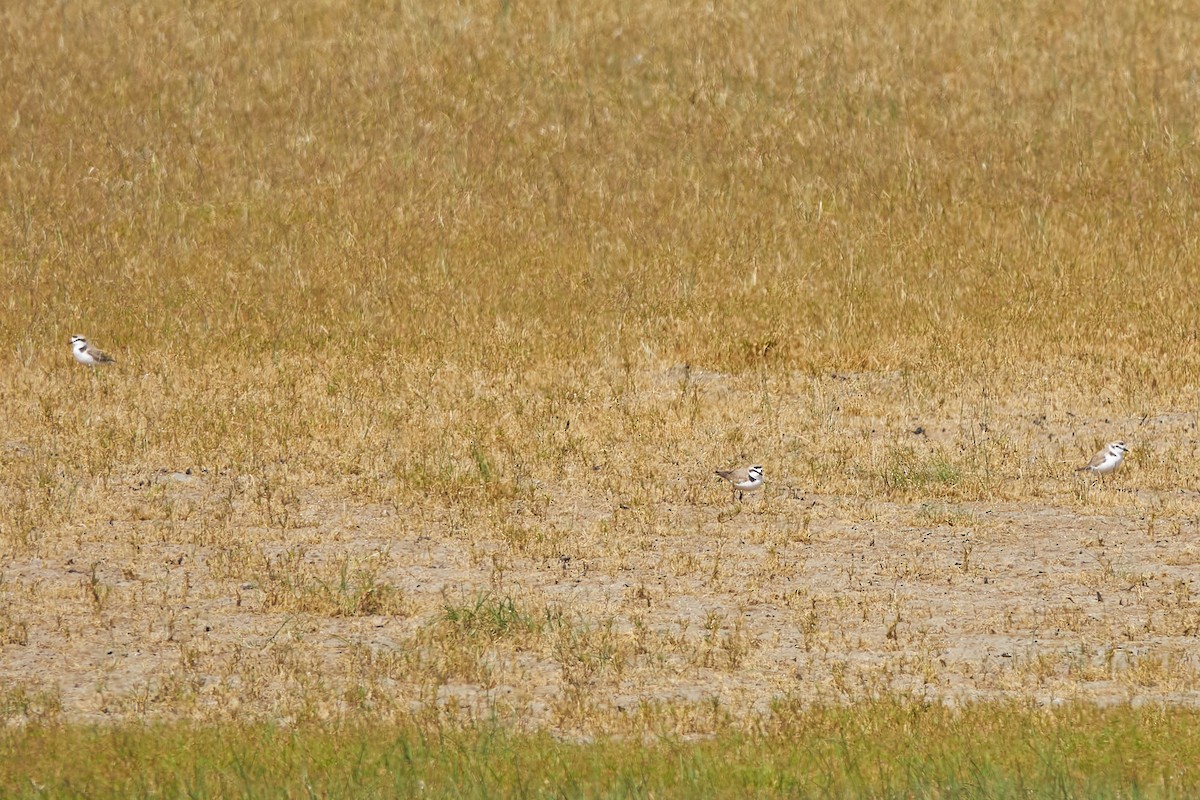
885, 750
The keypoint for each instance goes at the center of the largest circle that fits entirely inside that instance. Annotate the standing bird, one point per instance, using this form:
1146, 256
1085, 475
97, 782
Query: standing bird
1107, 459
88, 355
744, 479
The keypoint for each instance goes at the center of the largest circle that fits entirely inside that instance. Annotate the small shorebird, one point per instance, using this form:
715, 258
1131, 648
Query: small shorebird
1107, 459
88, 355
744, 479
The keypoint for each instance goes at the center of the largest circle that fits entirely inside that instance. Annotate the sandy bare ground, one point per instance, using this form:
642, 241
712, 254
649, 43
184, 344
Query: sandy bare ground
589, 614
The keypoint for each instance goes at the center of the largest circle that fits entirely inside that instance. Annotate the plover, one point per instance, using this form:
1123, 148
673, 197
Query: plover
88, 355
744, 479
1107, 459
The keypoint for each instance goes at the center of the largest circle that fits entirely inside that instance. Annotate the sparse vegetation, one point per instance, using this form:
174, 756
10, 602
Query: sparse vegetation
432, 320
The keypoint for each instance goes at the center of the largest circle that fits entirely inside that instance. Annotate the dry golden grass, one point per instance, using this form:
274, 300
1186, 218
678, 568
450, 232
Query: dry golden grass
433, 320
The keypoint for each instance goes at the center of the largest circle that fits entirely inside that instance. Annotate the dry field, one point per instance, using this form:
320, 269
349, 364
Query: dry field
434, 319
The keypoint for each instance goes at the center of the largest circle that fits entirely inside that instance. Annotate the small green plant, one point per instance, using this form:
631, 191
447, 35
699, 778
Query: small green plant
905, 469
351, 588
490, 618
